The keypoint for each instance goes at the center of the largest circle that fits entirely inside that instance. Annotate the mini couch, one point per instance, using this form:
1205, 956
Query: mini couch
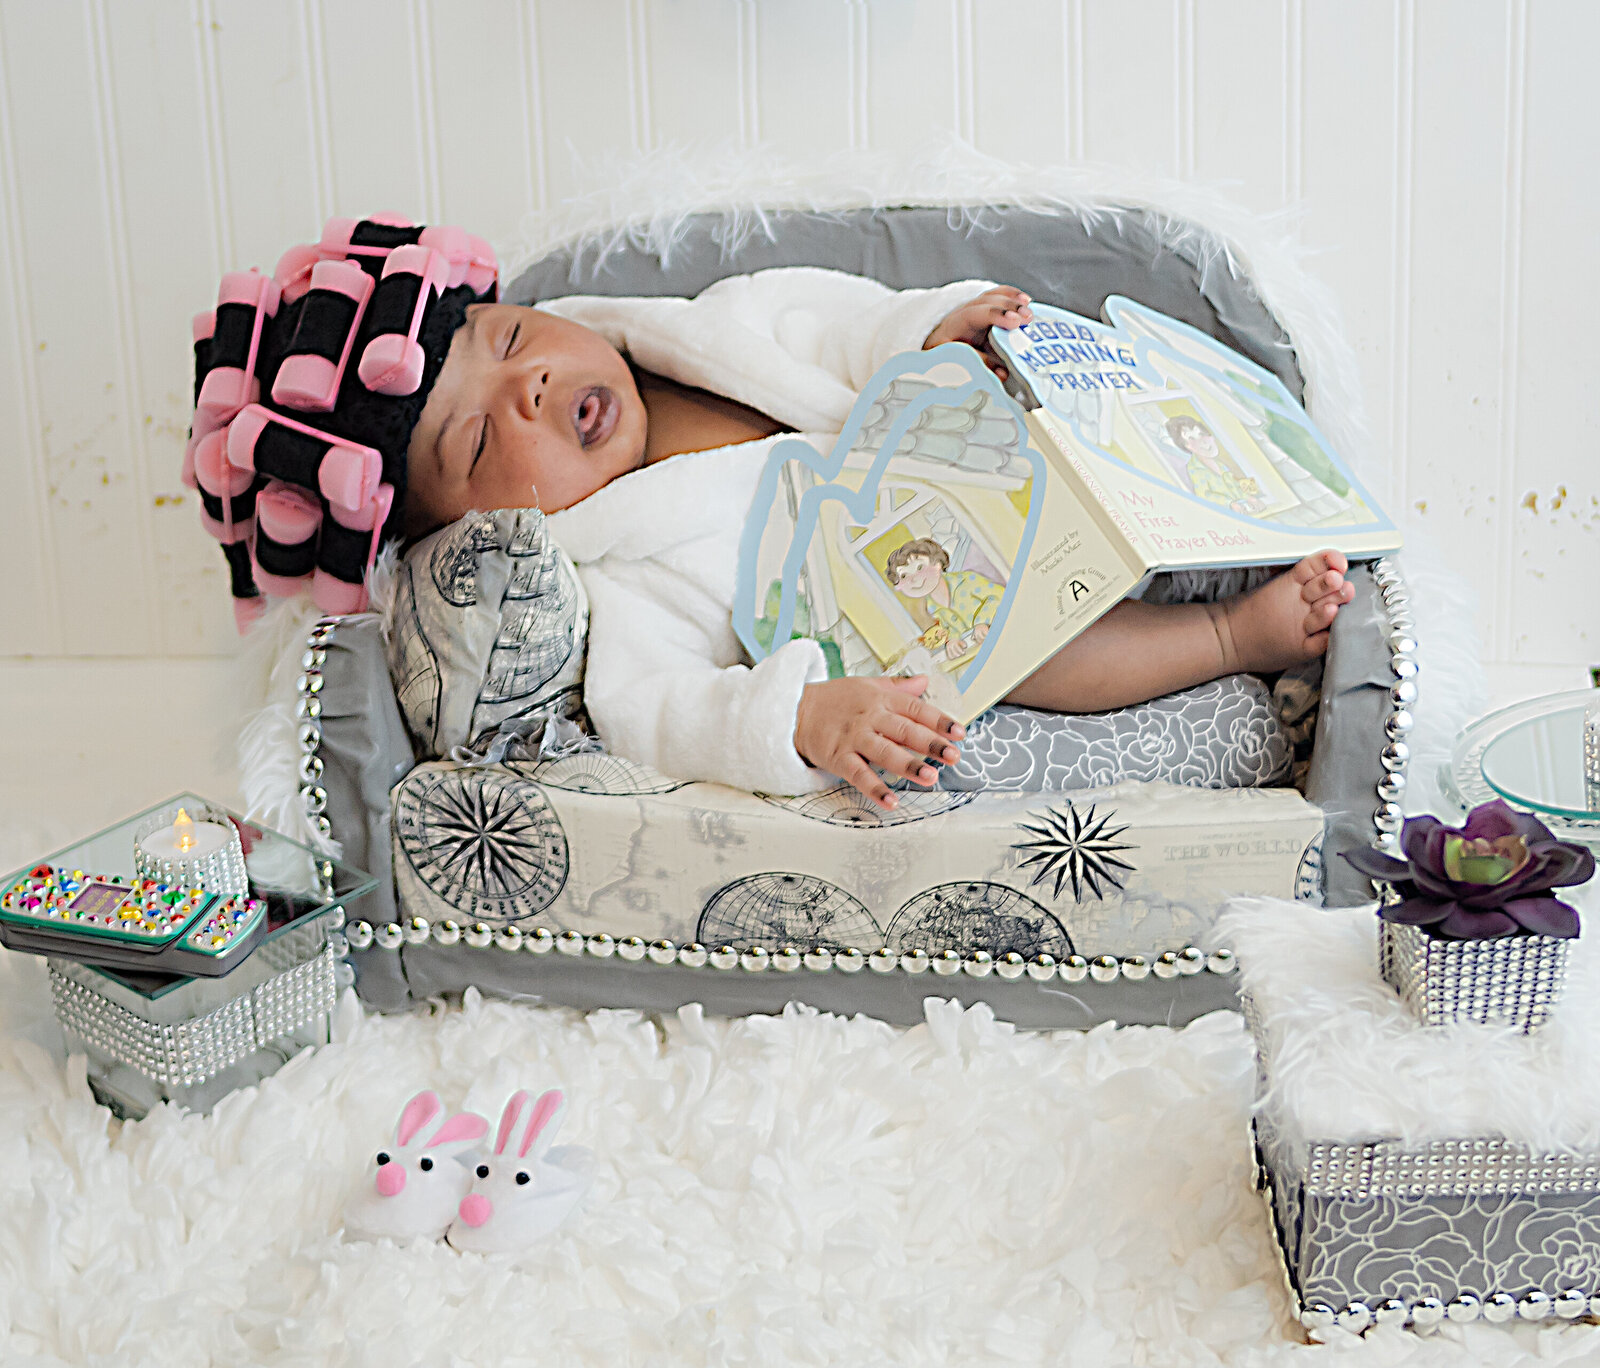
579, 878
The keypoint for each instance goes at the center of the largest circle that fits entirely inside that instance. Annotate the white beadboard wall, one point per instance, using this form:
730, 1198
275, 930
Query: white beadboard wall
1440, 154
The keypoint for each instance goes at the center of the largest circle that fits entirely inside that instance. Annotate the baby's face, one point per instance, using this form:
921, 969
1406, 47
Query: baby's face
529, 411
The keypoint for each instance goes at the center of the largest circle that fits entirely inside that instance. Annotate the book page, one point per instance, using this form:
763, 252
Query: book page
1207, 455
937, 538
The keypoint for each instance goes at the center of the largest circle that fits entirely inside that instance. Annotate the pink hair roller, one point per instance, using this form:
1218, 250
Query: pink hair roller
227, 505
293, 271
285, 546
367, 241
484, 271
349, 545
244, 303
323, 337
393, 361
346, 473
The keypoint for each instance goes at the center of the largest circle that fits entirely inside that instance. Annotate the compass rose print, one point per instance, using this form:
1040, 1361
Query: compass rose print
486, 842
1077, 847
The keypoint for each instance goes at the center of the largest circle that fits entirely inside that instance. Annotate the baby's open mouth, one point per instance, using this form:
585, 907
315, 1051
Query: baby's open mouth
595, 411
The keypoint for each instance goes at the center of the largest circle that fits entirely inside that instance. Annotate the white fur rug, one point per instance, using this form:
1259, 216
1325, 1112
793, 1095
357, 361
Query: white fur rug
794, 1190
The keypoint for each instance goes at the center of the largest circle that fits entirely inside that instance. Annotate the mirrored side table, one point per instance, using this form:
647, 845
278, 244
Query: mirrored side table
1533, 755
152, 1037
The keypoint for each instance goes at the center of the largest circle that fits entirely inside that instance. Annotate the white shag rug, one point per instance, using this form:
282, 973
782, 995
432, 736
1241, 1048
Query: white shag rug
775, 1190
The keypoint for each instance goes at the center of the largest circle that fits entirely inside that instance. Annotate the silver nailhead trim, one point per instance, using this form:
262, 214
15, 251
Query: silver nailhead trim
1389, 814
755, 959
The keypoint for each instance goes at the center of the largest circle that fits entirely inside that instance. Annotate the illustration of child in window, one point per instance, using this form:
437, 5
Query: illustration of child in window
1211, 475
963, 602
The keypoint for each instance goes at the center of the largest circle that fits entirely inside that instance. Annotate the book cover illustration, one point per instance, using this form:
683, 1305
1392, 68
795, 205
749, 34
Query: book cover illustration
946, 513
1198, 451
900, 551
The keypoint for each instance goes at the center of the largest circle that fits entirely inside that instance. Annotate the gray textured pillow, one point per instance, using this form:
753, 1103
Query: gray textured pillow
1225, 734
488, 626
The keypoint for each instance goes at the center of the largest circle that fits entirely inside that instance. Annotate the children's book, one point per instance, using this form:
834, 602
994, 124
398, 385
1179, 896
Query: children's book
958, 532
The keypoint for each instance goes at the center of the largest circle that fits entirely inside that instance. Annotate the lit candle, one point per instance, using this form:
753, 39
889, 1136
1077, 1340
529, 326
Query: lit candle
185, 839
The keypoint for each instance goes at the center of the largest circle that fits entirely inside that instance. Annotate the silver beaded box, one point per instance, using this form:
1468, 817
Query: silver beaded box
203, 1037
1376, 1233
1509, 978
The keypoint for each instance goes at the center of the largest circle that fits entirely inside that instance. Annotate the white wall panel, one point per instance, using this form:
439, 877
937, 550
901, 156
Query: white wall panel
1024, 97
595, 102
100, 537
31, 617
168, 263
1137, 77
275, 160
1353, 147
490, 120
1449, 446
694, 51
1243, 127
1440, 154
372, 76
806, 88
1548, 594
915, 79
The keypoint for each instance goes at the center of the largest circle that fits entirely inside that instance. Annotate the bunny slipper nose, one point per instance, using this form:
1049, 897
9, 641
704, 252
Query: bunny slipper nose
475, 1209
391, 1179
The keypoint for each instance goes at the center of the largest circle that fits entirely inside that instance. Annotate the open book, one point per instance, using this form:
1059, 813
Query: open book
958, 533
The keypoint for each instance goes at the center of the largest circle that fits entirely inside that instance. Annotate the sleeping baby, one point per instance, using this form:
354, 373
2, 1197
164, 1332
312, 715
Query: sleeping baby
641, 426
370, 385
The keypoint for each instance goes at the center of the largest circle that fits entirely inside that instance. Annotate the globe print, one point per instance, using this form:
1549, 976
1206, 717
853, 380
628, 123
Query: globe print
978, 916
787, 909
485, 841
596, 772
846, 806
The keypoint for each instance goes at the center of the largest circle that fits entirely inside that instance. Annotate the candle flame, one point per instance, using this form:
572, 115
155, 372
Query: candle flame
183, 828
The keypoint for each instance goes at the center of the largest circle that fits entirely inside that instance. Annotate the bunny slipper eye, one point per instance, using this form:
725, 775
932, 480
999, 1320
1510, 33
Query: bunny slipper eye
483, 1170
425, 1164
522, 1179
382, 1158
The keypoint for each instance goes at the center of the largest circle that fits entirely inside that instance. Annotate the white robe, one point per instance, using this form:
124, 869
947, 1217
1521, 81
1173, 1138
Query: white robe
657, 550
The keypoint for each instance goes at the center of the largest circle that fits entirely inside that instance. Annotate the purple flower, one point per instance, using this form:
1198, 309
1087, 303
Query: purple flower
1490, 877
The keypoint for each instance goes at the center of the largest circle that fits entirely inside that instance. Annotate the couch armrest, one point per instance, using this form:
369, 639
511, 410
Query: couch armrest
1358, 760
364, 752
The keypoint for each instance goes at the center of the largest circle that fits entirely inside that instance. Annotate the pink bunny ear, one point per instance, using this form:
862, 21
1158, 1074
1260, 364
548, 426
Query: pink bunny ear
461, 1126
420, 1110
508, 1119
545, 1110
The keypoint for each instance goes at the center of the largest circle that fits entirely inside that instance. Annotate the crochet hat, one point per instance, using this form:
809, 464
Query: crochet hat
308, 383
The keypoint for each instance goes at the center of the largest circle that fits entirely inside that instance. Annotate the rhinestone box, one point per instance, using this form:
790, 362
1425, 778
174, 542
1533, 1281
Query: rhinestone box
161, 1037
1510, 978
1380, 1231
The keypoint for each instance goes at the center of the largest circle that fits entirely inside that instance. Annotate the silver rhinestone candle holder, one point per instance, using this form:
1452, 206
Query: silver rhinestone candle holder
213, 866
1509, 978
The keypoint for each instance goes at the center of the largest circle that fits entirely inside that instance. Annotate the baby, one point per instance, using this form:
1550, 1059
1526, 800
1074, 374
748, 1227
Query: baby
642, 425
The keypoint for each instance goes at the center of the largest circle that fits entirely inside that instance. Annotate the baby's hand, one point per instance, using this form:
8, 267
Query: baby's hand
848, 726
1001, 307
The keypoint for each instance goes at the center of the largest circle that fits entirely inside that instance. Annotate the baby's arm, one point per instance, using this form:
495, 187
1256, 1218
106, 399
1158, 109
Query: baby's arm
662, 686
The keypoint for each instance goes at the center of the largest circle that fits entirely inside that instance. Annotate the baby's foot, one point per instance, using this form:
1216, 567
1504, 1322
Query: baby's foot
1285, 622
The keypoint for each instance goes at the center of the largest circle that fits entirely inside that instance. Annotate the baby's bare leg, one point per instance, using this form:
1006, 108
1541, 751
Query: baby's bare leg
1139, 651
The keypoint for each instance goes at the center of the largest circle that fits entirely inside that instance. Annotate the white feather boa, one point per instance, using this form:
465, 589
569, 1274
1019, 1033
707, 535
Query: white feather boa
648, 202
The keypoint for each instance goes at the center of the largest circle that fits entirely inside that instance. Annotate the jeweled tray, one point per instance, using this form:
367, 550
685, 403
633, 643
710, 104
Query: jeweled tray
127, 922
208, 936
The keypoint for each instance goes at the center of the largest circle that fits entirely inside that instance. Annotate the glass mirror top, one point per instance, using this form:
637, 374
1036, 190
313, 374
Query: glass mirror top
1538, 764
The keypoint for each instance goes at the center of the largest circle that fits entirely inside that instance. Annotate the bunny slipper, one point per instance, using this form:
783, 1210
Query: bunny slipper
525, 1190
420, 1181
